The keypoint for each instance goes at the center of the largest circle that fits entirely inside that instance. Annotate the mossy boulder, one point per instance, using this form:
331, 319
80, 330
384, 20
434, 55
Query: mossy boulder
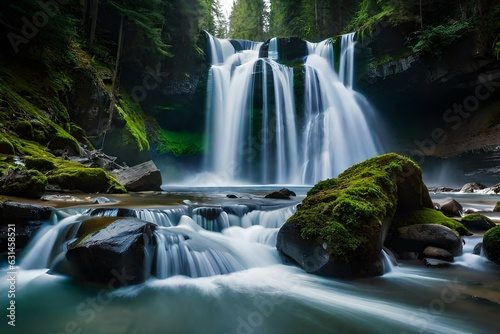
112, 251
24, 129
89, 180
491, 244
23, 183
6, 146
61, 140
40, 164
429, 216
477, 222
342, 224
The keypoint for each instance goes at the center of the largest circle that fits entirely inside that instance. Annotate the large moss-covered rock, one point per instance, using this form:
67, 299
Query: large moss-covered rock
491, 244
345, 220
90, 180
23, 183
6, 146
477, 222
112, 250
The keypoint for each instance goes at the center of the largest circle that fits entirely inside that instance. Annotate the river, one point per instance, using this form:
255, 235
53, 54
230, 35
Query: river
264, 295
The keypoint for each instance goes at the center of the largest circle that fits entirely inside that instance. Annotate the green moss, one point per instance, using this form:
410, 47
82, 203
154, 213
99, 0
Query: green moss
89, 180
24, 129
180, 143
6, 146
348, 212
491, 244
133, 116
136, 134
62, 140
18, 182
40, 164
79, 134
478, 222
38, 183
430, 216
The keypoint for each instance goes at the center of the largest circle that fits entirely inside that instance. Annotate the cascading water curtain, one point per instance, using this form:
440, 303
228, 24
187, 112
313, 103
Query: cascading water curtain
251, 118
251, 128
337, 133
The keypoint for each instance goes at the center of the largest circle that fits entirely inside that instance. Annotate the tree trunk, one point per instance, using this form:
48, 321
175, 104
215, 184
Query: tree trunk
421, 17
116, 79
94, 9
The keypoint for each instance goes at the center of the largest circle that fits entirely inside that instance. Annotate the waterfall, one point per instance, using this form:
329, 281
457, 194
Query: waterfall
255, 133
251, 120
337, 133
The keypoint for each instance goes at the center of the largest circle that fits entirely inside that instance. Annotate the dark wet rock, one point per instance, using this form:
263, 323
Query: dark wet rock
415, 238
277, 195
88, 101
12, 212
208, 212
436, 263
477, 222
437, 253
142, 177
408, 255
211, 218
110, 248
443, 189
450, 207
477, 249
472, 187
491, 244
23, 183
281, 194
27, 219
231, 196
497, 207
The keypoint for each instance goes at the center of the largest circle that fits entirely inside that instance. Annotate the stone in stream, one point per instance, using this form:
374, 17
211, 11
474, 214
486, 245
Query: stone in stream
416, 238
142, 177
27, 219
111, 250
497, 207
342, 224
491, 244
437, 253
281, 194
472, 187
477, 222
450, 207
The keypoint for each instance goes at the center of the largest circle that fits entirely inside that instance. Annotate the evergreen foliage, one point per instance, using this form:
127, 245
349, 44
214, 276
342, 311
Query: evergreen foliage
247, 20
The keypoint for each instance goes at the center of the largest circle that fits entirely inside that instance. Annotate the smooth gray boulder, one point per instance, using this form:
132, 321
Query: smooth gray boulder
111, 246
142, 177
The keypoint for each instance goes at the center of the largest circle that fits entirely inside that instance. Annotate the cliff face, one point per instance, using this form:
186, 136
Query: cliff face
435, 106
